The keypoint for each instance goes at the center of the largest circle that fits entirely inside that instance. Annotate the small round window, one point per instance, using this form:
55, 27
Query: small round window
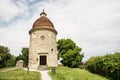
42, 37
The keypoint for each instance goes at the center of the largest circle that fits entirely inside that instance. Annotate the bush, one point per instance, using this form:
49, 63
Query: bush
11, 62
108, 65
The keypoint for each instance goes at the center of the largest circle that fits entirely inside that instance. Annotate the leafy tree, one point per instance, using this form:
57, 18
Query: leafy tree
24, 55
69, 52
11, 61
6, 59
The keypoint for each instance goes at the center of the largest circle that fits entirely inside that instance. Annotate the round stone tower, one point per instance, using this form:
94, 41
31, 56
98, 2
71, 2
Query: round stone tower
43, 47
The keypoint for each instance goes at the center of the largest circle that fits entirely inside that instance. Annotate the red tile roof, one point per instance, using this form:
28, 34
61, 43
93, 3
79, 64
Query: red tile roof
43, 22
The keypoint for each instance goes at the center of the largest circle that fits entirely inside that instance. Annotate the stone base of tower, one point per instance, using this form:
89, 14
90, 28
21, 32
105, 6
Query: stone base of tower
33, 66
42, 60
41, 67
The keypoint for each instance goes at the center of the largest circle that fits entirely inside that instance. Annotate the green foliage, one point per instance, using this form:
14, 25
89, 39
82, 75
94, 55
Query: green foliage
6, 59
20, 74
65, 73
11, 62
108, 65
69, 52
24, 55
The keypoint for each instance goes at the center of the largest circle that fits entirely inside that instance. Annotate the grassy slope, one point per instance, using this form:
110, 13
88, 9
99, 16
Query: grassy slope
64, 73
20, 74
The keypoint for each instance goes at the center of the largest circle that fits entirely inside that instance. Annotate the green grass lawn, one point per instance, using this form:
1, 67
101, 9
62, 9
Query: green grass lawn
64, 73
20, 74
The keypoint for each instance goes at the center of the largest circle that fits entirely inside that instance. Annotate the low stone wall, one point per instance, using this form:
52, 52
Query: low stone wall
20, 63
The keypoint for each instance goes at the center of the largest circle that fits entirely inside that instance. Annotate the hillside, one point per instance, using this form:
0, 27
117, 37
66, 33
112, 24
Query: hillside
64, 73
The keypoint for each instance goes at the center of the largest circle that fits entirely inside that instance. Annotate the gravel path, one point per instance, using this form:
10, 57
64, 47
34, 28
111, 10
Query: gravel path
8, 70
44, 74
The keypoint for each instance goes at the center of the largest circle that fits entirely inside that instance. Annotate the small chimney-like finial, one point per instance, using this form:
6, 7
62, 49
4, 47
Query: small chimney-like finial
43, 13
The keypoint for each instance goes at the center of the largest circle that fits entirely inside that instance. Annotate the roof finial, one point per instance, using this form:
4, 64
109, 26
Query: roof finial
43, 13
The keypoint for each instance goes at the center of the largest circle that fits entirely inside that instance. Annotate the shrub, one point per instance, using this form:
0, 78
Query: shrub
108, 65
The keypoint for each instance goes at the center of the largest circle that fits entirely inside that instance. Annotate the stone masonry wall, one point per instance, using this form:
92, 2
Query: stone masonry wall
42, 42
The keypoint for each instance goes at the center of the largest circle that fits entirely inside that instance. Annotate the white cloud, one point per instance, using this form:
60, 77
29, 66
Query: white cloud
92, 24
7, 10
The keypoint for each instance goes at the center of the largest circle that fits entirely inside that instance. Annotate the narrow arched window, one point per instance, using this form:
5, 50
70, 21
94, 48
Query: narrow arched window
52, 50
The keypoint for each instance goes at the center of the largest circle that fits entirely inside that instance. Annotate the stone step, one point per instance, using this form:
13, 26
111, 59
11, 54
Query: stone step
43, 67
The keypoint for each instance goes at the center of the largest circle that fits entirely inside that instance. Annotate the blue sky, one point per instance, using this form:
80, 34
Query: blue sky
94, 25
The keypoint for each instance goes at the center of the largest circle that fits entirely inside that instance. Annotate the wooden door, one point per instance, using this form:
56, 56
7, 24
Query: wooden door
43, 60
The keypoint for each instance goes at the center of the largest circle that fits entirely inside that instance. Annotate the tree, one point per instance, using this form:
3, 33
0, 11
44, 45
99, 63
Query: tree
24, 55
11, 61
69, 52
6, 57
